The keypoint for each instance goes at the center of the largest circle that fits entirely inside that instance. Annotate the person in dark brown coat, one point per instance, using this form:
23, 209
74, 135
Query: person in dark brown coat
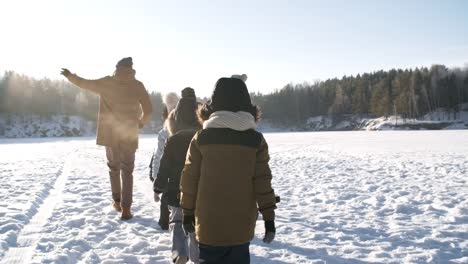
122, 99
226, 179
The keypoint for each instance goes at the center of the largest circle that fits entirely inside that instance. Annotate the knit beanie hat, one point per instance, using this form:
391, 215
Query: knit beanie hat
185, 112
188, 92
242, 77
125, 62
231, 94
171, 100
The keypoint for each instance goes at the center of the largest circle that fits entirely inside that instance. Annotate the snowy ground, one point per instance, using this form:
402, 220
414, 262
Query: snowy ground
347, 197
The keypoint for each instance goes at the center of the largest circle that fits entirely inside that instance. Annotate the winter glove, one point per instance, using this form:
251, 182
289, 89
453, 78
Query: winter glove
270, 231
189, 224
156, 197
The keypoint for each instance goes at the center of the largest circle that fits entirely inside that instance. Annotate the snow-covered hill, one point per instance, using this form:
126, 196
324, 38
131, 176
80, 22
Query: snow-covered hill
436, 120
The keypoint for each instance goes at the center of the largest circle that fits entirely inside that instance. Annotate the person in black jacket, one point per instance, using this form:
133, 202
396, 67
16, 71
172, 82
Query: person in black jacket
182, 124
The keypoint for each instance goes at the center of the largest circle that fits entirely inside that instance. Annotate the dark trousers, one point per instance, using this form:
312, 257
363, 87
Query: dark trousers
164, 212
225, 255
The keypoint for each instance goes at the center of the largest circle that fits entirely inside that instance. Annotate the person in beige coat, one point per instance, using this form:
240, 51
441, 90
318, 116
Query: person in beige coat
122, 99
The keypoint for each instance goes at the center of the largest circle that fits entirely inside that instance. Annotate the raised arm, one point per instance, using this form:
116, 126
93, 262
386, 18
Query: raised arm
190, 177
91, 85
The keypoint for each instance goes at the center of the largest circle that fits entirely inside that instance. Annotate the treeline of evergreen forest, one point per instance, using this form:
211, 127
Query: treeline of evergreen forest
410, 93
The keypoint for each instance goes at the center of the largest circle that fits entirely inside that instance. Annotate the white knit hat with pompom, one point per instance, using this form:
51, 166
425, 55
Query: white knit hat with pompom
171, 100
243, 77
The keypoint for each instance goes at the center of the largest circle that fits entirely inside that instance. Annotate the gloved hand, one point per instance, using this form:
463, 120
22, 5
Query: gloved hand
189, 224
65, 72
270, 232
156, 197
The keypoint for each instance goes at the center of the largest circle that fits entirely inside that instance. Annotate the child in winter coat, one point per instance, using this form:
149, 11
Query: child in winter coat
226, 179
170, 101
182, 124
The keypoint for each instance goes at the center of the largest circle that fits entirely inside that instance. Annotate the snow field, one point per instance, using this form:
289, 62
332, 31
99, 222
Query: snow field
347, 197
359, 197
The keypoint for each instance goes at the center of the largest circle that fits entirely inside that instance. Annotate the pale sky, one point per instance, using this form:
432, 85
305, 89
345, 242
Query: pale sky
175, 44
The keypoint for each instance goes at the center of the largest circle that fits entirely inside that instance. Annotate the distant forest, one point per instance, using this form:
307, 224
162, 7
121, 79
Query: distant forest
20, 94
410, 93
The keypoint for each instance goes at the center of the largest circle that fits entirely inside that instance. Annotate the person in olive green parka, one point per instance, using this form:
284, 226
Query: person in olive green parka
226, 179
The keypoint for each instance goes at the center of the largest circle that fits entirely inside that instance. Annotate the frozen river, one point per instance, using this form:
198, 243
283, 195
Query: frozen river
347, 197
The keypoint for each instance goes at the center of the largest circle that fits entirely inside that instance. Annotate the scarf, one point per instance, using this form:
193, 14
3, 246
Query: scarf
239, 121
